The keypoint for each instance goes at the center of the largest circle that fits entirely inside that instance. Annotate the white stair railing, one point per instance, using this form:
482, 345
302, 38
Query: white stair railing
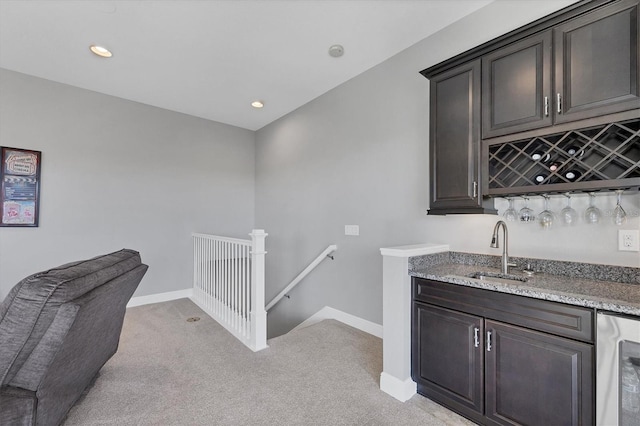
326, 253
228, 284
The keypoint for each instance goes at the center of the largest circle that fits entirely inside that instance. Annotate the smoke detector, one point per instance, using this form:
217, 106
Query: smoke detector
336, 51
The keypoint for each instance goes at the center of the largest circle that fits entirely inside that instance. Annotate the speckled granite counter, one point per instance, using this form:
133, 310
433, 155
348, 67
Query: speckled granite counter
571, 282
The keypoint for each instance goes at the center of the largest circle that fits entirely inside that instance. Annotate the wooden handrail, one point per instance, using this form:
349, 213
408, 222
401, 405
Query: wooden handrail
301, 275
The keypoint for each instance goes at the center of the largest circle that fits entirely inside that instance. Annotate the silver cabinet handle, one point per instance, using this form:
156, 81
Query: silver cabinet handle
475, 189
559, 101
546, 106
488, 341
476, 338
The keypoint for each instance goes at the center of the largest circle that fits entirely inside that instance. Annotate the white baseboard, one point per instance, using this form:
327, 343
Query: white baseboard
351, 320
323, 314
402, 390
160, 297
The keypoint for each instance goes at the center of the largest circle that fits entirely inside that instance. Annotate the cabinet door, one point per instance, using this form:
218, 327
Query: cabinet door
447, 356
455, 140
516, 87
596, 59
537, 379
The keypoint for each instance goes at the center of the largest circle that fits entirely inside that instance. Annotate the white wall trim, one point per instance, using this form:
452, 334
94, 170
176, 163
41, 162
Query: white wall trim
356, 322
160, 297
400, 390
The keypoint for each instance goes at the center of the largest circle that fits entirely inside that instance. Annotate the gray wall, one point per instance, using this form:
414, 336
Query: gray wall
121, 174
358, 155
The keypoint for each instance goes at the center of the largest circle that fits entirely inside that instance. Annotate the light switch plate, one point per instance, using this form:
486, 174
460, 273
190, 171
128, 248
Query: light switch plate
628, 240
353, 230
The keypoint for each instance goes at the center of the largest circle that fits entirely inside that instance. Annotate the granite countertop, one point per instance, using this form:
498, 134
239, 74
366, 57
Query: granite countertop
611, 296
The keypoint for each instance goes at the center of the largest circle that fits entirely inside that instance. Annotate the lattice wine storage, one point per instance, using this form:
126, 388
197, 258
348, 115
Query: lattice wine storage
601, 157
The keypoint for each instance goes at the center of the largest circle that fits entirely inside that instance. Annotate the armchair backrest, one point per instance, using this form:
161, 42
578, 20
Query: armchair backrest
41, 309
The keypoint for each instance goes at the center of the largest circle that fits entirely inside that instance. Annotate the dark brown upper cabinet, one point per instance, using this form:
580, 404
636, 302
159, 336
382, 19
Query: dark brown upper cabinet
597, 63
595, 73
455, 141
516, 87
553, 106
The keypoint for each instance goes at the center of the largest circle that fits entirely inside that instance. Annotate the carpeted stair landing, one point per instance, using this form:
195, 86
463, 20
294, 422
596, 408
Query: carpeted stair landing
172, 372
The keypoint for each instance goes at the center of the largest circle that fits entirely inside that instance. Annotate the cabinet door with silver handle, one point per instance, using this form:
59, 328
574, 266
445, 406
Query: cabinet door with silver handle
527, 371
447, 351
517, 93
597, 75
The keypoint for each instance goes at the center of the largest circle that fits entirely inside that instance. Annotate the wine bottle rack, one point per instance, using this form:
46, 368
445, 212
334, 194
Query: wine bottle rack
596, 158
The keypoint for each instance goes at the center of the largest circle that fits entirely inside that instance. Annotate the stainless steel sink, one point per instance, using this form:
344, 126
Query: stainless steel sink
491, 277
495, 276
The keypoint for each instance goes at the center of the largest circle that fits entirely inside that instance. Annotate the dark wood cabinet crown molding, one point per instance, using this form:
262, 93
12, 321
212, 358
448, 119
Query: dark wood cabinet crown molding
532, 28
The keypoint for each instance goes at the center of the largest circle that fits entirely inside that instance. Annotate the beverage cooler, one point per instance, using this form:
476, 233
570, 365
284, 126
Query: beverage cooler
618, 370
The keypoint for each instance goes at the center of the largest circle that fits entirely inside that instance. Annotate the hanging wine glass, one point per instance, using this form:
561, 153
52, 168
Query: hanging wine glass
526, 214
568, 215
619, 215
510, 214
546, 217
592, 214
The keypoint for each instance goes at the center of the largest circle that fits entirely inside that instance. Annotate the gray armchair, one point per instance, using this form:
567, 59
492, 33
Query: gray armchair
57, 329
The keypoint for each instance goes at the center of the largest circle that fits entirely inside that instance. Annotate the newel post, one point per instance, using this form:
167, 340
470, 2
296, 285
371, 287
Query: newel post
258, 313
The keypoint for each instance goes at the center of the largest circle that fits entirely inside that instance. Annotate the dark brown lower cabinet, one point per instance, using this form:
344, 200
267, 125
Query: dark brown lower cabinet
453, 366
493, 372
535, 378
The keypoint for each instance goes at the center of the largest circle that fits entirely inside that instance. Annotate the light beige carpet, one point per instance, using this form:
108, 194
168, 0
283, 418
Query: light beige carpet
168, 371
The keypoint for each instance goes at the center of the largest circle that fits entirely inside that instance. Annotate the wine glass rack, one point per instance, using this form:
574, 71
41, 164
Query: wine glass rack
596, 158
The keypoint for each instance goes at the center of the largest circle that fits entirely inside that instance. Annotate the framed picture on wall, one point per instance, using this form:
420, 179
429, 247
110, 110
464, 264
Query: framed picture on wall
20, 184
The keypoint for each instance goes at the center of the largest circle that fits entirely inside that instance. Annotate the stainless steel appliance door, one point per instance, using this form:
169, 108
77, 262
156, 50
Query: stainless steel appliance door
614, 332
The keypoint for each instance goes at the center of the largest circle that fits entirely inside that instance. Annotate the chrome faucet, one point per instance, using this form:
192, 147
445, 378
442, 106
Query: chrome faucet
505, 245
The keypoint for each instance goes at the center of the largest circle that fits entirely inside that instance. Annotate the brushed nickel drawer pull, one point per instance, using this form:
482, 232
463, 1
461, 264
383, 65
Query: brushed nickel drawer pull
546, 106
559, 100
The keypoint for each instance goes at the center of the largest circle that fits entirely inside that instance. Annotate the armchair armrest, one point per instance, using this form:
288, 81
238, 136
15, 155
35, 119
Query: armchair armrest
35, 367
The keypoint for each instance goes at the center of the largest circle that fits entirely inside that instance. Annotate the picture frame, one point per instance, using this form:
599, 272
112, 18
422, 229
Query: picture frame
20, 187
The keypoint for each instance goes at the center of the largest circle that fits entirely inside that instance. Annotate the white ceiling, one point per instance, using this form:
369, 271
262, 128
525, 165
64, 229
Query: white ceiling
211, 58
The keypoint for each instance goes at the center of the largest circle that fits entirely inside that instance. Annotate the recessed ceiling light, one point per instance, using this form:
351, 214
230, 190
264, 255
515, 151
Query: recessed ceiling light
257, 104
100, 51
336, 51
